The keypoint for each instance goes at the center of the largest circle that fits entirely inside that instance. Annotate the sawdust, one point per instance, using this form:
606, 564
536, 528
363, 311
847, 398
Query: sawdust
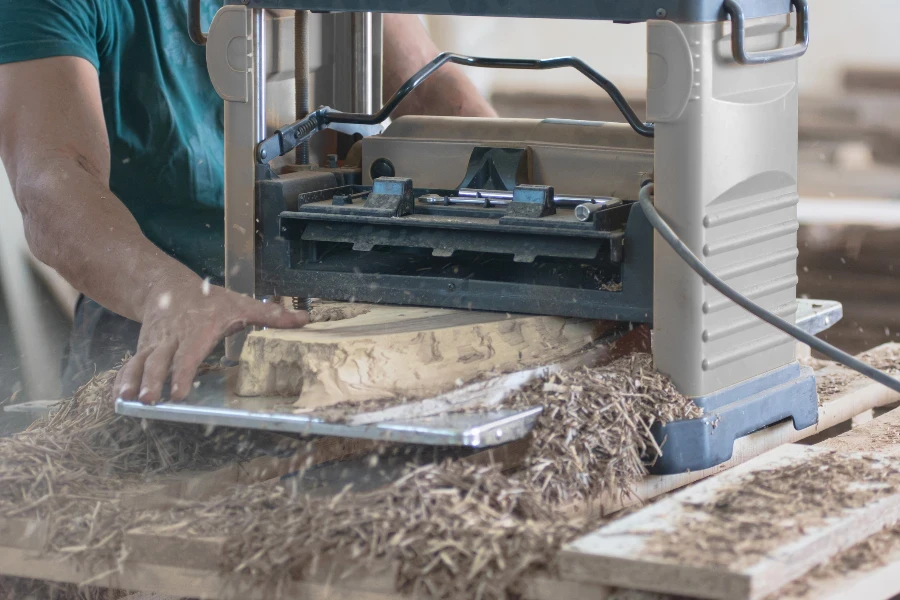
830, 384
342, 412
727, 531
865, 556
885, 358
338, 311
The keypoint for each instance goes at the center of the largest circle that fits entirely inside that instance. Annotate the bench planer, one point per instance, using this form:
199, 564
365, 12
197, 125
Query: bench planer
536, 216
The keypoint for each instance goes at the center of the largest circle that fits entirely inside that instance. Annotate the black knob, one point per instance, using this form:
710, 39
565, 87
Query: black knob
382, 167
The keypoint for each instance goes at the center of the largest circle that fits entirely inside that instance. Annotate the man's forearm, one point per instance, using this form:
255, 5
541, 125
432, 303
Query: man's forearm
407, 48
54, 144
75, 224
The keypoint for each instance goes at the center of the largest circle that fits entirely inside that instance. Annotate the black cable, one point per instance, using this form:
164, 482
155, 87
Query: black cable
812, 341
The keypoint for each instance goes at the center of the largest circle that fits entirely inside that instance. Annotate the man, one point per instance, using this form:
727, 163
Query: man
111, 134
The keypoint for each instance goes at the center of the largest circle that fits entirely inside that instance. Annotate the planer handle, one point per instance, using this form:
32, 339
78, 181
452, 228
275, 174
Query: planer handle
738, 35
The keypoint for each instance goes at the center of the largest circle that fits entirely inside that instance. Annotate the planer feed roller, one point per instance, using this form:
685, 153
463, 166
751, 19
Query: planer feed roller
536, 216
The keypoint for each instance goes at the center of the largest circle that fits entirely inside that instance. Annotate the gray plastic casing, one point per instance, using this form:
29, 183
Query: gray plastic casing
726, 180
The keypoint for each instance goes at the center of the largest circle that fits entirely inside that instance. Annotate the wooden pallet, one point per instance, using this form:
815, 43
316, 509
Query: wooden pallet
184, 566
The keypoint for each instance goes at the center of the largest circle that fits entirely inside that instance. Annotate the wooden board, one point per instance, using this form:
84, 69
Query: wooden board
875, 580
396, 352
879, 581
619, 554
880, 435
177, 581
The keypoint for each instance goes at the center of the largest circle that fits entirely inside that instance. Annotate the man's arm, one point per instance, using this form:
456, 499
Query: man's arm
54, 144
407, 48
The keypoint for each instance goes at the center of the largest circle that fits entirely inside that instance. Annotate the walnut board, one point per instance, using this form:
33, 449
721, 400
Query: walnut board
402, 352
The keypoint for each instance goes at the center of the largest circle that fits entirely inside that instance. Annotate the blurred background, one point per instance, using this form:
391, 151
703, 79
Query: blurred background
849, 168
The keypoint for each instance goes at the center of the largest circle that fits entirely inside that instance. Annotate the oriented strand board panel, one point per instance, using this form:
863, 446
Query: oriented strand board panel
622, 553
397, 352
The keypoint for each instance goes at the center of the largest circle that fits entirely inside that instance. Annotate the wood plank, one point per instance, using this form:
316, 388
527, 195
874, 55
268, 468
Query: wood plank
619, 555
881, 435
541, 587
879, 581
180, 582
873, 79
181, 549
396, 352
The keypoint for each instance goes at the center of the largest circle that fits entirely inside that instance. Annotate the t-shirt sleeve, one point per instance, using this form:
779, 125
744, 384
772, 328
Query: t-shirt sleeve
33, 29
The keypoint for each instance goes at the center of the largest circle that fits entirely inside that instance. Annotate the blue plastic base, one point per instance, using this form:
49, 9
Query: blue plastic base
732, 413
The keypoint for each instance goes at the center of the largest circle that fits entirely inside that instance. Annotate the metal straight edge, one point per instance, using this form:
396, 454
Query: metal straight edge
816, 316
631, 11
474, 430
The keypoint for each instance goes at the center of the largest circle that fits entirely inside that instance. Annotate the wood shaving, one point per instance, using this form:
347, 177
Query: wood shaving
452, 530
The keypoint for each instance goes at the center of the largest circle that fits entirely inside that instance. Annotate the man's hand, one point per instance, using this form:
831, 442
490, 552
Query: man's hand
182, 324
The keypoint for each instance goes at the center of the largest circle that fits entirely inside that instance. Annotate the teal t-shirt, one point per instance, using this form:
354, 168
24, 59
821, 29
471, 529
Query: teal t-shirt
164, 119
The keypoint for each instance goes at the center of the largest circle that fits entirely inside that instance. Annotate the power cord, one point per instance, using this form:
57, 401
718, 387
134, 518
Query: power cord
697, 265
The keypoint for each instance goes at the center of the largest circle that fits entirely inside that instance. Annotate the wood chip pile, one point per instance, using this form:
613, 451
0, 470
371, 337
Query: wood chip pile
451, 529
594, 435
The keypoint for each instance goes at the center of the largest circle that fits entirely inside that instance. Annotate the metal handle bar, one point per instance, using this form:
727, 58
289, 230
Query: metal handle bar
500, 63
288, 137
738, 36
